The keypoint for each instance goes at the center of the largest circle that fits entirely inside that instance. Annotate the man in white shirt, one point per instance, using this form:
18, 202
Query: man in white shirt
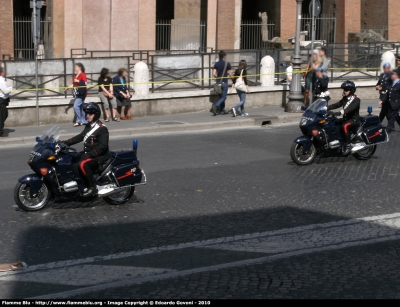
5, 90
289, 74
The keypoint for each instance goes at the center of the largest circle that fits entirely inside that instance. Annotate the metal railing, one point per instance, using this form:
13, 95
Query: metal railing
191, 70
180, 34
23, 43
255, 35
325, 26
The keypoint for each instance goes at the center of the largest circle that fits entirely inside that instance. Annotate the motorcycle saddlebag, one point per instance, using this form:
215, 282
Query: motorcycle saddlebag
375, 134
127, 174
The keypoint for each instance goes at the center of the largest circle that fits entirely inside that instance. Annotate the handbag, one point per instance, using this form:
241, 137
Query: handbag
239, 84
217, 86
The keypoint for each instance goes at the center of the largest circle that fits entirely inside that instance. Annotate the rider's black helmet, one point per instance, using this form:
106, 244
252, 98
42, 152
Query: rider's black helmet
349, 86
92, 108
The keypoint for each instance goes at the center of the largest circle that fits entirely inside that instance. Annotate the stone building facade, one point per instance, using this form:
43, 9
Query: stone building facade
131, 24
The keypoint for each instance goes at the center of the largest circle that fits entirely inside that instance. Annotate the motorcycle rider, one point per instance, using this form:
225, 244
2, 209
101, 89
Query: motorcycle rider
351, 112
95, 136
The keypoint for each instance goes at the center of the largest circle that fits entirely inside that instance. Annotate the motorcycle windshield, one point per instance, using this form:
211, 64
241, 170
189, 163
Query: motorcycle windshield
52, 135
320, 104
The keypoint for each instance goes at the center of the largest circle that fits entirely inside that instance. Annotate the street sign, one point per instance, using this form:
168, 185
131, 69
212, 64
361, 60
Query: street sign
36, 11
318, 8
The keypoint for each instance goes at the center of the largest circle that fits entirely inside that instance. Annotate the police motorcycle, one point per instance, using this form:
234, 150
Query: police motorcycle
322, 134
54, 177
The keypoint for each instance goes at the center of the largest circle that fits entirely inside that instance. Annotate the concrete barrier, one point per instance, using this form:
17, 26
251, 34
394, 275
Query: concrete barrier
60, 110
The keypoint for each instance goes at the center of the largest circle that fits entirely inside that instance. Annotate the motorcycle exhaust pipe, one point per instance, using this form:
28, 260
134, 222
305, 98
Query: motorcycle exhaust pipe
120, 189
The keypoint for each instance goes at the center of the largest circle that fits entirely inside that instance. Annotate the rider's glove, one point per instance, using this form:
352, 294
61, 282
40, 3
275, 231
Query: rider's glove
337, 113
62, 145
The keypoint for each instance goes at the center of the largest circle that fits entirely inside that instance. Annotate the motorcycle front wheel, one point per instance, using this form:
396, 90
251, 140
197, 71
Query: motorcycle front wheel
366, 153
296, 152
26, 202
120, 198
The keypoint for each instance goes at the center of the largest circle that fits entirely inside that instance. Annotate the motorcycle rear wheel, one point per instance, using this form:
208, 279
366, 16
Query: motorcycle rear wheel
23, 199
120, 198
366, 153
296, 152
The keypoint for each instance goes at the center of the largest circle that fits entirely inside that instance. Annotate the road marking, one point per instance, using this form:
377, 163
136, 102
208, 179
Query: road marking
85, 275
129, 282
203, 243
282, 243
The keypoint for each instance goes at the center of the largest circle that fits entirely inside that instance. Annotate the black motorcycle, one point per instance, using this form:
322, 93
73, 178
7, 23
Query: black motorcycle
322, 134
54, 177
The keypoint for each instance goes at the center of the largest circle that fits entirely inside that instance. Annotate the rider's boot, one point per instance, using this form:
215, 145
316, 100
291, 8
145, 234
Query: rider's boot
347, 146
90, 191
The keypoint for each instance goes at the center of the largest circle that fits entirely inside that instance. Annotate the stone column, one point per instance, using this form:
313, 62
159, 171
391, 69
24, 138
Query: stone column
388, 57
238, 23
394, 20
267, 71
141, 79
58, 23
348, 19
212, 23
287, 19
124, 30
73, 18
6, 28
147, 24
184, 33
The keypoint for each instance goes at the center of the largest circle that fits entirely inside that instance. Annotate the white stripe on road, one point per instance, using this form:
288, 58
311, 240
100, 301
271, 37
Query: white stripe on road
129, 282
204, 243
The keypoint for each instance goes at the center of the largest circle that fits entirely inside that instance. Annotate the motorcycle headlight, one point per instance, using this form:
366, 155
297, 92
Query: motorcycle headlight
303, 121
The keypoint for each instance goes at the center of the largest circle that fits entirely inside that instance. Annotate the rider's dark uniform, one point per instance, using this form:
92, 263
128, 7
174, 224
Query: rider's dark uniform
351, 113
385, 82
95, 137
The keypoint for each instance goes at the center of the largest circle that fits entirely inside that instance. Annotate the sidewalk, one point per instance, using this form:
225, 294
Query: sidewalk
163, 123
173, 123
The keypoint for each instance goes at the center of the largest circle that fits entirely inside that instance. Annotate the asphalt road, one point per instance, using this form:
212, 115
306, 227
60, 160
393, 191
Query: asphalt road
225, 215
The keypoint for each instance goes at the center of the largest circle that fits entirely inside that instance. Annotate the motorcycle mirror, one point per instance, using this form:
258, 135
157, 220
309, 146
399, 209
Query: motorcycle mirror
38, 139
369, 110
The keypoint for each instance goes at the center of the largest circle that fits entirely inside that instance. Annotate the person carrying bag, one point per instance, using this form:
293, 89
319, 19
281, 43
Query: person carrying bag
242, 88
222, 71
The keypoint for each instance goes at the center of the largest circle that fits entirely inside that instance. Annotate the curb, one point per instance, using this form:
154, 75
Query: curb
243, 122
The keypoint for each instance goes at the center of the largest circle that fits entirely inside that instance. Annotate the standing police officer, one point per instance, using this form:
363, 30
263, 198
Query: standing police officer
394, 101
383, 86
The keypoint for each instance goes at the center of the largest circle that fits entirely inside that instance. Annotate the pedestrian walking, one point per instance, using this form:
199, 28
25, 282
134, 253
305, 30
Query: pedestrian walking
222, 69
241, 86
121, 92
5, 90
321, 85
394, 101
383, 86
79, 92
106, 95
